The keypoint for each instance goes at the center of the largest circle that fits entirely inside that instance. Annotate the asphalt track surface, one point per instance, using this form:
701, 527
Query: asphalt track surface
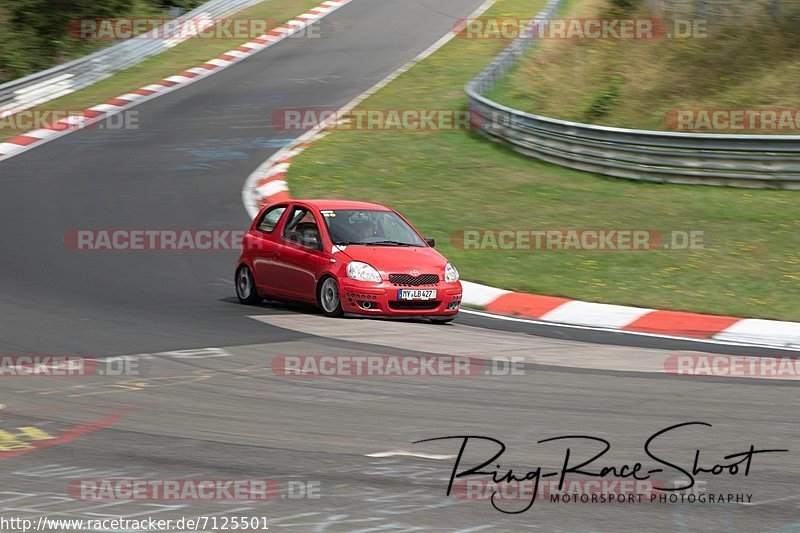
207, 403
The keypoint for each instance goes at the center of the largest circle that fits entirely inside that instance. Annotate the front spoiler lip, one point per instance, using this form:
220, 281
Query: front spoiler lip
393, 317
385, 292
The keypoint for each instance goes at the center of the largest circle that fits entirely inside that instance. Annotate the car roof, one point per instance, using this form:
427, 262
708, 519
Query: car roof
343, 204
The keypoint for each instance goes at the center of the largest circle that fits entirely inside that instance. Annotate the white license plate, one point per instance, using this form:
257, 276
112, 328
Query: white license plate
416, 294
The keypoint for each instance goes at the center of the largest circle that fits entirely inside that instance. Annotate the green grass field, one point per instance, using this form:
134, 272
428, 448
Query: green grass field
447, 181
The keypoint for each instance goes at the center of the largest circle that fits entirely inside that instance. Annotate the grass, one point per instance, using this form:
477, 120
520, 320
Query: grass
186, 55
746, 64
447, 181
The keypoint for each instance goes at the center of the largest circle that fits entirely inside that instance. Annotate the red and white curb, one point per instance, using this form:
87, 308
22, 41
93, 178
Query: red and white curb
94, 114
267, 185
748, 331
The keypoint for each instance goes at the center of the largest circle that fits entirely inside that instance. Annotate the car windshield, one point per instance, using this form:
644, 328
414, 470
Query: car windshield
349, 227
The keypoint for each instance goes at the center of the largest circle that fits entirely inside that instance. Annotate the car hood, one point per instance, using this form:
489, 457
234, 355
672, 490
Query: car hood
397, 259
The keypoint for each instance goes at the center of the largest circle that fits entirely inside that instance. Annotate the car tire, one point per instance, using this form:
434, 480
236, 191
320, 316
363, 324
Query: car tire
328, 297
246, 289
440, 321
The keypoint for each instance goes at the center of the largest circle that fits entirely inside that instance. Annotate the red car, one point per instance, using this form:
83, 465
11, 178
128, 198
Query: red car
345, 257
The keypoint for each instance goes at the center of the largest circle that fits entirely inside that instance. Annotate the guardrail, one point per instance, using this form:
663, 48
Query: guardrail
763, 161
24, 93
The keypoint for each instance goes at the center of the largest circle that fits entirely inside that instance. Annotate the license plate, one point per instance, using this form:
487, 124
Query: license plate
416, 294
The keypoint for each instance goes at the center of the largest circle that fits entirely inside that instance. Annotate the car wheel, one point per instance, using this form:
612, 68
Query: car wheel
440, 321
246, 286
328, 297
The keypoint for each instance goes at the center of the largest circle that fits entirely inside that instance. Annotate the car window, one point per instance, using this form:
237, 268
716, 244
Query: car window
351, 227
271, 218
393, 230
302, 228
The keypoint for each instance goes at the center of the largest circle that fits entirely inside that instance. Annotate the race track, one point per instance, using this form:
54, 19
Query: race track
208, 404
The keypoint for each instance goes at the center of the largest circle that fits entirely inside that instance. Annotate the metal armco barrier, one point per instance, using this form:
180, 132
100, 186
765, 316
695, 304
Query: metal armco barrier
41, 87
763, 161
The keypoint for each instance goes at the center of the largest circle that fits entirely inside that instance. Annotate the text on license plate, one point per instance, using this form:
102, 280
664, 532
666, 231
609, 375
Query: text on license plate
416, 294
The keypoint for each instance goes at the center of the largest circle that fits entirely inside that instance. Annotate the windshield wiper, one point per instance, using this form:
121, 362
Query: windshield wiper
392, 243
376, 243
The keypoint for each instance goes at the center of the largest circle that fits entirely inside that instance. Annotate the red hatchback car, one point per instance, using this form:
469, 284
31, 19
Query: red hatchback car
345, 257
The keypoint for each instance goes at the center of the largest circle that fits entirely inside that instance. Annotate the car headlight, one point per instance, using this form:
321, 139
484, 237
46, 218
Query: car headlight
362, 272
450, 273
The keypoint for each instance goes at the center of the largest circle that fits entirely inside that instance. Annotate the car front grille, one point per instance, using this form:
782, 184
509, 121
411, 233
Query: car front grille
422, 305
408, 280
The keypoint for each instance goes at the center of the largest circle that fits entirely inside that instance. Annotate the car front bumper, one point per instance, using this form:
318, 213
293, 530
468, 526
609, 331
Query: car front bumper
382, 299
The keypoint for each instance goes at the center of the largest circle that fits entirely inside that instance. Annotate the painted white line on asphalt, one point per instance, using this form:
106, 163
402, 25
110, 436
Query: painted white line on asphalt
197, 353
403, 453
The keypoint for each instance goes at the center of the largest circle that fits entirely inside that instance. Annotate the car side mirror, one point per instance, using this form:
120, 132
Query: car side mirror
431, 242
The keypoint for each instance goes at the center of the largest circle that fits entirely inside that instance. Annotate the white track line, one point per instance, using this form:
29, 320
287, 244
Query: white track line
403, 453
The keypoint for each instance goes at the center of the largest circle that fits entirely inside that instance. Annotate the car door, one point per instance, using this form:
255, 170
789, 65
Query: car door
302, 256
264, 247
